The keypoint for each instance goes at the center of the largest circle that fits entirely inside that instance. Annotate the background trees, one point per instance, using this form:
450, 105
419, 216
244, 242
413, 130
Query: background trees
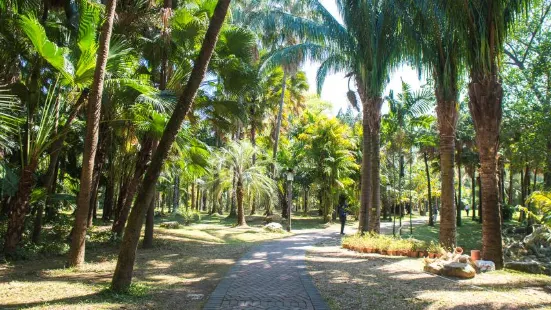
193, 102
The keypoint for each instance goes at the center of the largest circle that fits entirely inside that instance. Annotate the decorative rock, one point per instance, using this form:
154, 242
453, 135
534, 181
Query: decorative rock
272, 218
529, 267
464, 259
274, 227
485, 265
170, 225
458, 270
195, 296
435, 268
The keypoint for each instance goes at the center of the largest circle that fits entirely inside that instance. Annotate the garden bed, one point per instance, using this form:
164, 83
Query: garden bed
386, 245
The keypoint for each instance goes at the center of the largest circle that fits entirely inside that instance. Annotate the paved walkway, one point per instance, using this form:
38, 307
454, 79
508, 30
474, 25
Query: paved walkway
272, 276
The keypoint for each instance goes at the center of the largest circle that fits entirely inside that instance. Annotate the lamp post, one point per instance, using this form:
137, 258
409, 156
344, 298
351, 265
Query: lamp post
290, 178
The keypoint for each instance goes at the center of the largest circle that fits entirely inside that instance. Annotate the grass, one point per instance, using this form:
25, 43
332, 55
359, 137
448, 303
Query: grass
469, 234
184, 262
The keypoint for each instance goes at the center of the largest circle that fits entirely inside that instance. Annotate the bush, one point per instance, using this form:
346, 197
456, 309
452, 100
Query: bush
507, 212
189, 217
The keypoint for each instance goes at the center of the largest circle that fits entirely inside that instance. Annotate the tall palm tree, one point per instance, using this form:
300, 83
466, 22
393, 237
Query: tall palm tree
483, 26
76, 254
365, 46
435, 45
122, 277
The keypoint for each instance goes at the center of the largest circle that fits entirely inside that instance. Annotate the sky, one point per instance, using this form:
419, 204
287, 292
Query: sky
336, 85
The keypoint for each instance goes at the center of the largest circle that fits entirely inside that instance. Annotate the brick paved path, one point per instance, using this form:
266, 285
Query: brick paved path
271, 276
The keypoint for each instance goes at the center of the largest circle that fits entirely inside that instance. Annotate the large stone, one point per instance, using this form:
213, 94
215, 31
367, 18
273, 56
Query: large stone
434, 268
540, 237
170, 225
514, 250
528, 267
274, 218
458, 270
485, 265
273, 227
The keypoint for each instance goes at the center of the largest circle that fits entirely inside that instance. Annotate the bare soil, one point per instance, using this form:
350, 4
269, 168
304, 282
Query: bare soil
180, 272
351, 280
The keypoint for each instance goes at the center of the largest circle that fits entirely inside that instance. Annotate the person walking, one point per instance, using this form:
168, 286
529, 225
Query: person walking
467, 209
342, 211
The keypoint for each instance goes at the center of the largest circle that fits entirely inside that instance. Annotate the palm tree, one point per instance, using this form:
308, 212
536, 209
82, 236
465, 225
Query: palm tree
122, 277
251, 178
407, 111
482, 27
365, 46
78, 238
436, 46
38, 142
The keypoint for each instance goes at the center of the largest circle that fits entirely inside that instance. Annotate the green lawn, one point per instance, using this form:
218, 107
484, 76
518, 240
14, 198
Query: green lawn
469, 234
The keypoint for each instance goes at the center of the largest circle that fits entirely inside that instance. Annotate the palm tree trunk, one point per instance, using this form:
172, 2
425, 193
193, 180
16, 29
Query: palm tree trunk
122, 277
176, 195
365, 178
110, 186
485, 93
193, 195
547, 172
240, 208
149, 223
473, 186
76, 254
253, 143
447, 119
374, 211
459, 209
510, 190
19, 207
142, 162
431, 219
279, 116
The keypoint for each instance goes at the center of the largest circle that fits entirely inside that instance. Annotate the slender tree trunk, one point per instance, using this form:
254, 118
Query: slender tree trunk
109, 190
547, 171
473, 187
535, 180
240, 208
149, 224
193, 205
374, 223
459, 208
76, 254
176, 197
427, 171
305, 201
279, 116
485, 93
447, 119
510, 190
122, 277
142, 162
365, 178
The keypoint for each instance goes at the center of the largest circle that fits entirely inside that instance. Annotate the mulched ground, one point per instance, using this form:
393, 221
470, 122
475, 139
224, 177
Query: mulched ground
350, 280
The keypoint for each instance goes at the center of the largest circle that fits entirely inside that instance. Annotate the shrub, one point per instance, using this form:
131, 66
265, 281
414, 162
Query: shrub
189, 216
507, 212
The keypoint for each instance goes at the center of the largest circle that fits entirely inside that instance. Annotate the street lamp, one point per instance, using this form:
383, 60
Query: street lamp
290, 178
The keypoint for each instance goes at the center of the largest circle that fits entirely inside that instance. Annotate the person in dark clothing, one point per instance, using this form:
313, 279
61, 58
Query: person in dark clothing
342, 211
